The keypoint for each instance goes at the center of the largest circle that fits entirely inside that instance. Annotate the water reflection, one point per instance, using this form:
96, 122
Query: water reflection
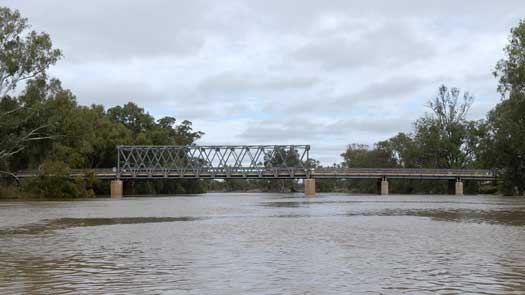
265, 244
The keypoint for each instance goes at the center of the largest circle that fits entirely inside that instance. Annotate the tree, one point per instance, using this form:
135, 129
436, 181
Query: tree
13, 136
82, 136
402, 150
443, 138
361, 156
506, 121
53, 182
506, 145
281, 158
511, 69
441, 135
133, 117
23, 54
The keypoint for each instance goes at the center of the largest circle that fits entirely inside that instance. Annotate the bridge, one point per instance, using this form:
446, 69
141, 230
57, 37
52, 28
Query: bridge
252, 162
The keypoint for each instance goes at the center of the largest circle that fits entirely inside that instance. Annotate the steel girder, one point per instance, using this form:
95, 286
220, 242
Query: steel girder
218, 161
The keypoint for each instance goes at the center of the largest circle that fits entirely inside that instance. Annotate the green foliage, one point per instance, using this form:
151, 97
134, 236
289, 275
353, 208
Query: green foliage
506, 145
53, 182
441, 136
45, 128
511, 69
86, 137
326, 185
506, 141
145, 131
146, 187
23, 54
10, 191
401, 149
281, 157
133, 117
361, 156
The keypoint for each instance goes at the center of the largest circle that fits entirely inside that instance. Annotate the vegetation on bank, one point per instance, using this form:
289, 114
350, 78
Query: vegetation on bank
444, 138
43, 127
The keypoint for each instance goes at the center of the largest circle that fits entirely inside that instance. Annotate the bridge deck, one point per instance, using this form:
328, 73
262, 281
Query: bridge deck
405, 173
289, 173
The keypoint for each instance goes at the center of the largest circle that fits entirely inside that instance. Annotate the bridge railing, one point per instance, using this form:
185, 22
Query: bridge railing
428, 173
245, 172
276, 172
407, 170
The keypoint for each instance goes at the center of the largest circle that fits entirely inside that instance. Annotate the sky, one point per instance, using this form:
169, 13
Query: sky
324, 73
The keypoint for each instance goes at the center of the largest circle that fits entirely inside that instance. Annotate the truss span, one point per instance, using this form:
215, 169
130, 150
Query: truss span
220, 161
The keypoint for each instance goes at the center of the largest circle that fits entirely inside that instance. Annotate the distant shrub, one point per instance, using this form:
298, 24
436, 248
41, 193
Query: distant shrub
54, 182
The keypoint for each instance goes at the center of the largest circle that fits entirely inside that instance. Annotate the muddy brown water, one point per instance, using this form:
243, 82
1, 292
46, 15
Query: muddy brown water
265, 244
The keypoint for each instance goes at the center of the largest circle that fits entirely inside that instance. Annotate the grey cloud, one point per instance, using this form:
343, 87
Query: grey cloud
328, 140
120, 29
110, 92
392, 89
390, 45
272, 131
127, 29
274, 71
300, 14
213, 109
371, 126
234, 82
301, 128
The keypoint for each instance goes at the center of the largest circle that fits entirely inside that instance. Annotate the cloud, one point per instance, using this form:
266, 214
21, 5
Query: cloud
295, 129
120, 29
278, 71
234, 82
389, 45
371, 97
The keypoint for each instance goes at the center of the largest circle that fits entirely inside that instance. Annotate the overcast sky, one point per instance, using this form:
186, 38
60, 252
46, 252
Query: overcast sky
325, 73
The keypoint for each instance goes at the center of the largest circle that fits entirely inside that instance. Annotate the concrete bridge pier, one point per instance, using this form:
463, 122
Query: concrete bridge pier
455, 187
116, 189
309, 187
459, 187
383, 186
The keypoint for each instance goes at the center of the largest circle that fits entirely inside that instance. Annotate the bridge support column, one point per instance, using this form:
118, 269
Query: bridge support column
309, 187
384, 186
116, 189
459, 188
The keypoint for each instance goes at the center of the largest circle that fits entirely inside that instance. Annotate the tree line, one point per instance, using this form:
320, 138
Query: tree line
43, 127
445, 138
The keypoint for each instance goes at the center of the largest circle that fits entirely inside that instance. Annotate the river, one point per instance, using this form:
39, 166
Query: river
265, 244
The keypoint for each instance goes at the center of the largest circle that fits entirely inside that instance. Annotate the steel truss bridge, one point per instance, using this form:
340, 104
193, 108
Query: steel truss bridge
248, 162
226, 161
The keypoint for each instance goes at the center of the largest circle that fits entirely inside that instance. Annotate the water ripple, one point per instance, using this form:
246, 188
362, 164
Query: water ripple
250, 245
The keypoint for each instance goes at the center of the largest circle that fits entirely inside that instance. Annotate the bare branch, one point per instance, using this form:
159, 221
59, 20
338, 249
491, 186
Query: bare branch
11, 174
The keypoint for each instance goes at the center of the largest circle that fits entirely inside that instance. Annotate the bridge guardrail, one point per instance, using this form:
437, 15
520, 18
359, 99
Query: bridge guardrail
407, 170
270, 172
422, 173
